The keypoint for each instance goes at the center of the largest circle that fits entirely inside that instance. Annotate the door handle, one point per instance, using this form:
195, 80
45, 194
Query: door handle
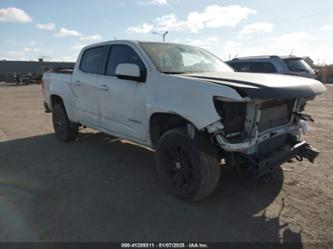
104, 88
77, 83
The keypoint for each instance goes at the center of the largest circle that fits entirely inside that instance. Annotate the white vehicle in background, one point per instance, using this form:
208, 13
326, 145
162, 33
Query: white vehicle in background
186, 104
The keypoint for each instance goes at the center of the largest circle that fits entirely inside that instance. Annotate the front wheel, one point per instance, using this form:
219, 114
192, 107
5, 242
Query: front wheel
187, 167
65, 130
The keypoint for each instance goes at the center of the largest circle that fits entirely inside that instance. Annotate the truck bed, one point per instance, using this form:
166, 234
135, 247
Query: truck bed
57, 76
63, 70
59, 80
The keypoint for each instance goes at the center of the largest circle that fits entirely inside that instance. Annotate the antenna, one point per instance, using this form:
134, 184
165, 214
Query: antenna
291, 53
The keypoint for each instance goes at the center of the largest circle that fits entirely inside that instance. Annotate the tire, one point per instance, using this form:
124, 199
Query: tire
64, 129
188, 168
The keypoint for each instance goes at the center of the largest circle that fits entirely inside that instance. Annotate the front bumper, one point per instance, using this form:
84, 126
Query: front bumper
260, 166
250, 146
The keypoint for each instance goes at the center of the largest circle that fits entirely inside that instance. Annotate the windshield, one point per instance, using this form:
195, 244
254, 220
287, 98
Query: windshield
175, 58
298, 65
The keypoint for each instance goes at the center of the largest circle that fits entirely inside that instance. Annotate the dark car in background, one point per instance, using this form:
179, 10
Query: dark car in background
290, 65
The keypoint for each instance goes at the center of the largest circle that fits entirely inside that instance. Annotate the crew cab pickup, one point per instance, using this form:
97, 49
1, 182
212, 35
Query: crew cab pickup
188, 106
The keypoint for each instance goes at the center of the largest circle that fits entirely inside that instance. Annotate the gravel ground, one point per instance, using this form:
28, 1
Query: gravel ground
104, 189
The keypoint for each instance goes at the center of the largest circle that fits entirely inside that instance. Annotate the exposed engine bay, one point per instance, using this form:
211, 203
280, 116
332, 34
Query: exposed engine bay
262, 133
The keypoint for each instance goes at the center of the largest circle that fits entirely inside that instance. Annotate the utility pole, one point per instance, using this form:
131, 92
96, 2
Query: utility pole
164, 35
161, 34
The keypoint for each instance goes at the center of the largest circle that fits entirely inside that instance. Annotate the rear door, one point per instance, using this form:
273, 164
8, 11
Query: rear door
85, 85
262, 67
122, 101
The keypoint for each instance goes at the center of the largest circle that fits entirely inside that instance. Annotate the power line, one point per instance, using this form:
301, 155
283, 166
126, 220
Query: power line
306, 16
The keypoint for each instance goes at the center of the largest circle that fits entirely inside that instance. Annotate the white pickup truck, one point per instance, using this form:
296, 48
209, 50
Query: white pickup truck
187, 105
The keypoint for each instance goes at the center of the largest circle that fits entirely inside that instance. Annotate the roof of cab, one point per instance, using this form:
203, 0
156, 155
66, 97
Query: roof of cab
128, 41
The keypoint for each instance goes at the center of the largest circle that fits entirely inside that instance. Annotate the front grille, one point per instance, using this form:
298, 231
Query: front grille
275, 113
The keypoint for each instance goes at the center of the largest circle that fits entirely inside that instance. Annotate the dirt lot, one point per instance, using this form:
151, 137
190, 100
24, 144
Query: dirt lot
103, 189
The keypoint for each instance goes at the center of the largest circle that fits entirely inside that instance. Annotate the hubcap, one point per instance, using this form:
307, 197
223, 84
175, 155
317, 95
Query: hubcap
59, 125
179, 171
178, 165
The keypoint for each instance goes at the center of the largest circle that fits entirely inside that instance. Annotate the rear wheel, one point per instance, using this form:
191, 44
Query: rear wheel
65, 130
187, 167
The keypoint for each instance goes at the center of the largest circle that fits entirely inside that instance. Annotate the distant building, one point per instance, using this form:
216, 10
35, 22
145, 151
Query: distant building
9, 70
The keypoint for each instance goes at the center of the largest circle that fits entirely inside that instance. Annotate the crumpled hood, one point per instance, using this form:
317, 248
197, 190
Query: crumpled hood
263, 86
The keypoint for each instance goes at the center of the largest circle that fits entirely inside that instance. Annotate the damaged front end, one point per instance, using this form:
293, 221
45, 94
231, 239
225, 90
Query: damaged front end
261, 133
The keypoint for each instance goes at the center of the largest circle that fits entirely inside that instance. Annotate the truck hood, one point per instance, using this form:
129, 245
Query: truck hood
263, 86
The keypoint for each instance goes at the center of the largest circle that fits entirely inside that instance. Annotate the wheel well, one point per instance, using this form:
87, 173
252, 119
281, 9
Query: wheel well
162, 122
55, 99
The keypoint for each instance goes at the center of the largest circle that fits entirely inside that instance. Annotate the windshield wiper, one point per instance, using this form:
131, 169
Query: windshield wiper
166, 72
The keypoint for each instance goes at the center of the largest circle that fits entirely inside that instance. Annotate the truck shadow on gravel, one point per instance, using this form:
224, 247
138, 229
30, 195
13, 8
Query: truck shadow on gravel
103, 189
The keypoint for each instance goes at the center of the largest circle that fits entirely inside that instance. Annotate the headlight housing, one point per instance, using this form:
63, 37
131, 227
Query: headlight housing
233, 115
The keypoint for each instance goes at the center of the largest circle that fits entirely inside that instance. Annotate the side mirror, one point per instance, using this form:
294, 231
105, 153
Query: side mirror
129, 71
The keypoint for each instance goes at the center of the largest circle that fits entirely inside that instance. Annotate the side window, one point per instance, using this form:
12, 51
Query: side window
123, 54
262, 67
92, 60
242, 67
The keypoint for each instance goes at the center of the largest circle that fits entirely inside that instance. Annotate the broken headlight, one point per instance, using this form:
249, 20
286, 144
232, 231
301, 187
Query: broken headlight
233, 115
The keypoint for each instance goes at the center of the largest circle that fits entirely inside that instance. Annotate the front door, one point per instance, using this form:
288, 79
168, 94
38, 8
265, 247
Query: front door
122, 101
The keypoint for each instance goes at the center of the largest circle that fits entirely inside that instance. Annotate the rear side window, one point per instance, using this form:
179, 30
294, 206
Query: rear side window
123, 54
262, 67
92, 60
298, 65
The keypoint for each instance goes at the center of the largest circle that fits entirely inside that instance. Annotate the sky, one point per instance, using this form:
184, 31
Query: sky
57, 30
